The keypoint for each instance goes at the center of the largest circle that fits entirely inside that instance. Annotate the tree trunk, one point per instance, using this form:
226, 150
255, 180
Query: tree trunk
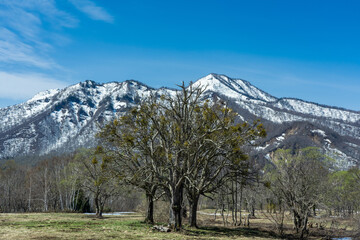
178, 217
193, 211
314, 210
149, 218
233, 208
252, 210
98, 211
29, 199
296, 222
241, 197
303, 227
101, 209
236, 204
171, 217
45, 190
176, 201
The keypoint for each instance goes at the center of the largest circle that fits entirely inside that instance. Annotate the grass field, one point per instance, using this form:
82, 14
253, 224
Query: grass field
81, 226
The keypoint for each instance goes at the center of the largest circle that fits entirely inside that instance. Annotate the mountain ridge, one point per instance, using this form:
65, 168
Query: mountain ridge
171, 88
64, 119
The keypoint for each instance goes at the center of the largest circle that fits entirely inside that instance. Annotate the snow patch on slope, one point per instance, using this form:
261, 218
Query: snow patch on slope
317, 110
342, 161
319, 131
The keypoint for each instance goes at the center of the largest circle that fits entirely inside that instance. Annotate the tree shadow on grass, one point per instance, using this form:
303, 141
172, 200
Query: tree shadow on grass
229, 232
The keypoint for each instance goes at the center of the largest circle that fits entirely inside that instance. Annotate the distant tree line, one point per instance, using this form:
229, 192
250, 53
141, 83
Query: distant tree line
54, 183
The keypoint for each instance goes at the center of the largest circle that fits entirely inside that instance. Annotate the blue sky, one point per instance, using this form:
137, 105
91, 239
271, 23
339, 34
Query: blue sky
304, 49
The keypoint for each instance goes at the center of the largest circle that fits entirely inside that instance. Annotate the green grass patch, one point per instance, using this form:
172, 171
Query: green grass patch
80, 226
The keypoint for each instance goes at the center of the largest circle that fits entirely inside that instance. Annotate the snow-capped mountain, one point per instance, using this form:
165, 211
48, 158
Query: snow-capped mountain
63, 120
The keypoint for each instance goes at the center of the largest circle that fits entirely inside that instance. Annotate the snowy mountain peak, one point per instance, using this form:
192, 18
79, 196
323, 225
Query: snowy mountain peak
236, 89
89, 84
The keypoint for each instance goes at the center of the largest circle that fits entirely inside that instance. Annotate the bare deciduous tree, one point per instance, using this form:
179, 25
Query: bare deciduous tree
179, 141
298, 179
96, 178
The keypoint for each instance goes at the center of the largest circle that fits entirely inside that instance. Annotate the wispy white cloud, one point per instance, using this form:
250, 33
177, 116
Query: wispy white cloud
30, 32
24, 39
92, 10
44, 10
31, 29
13, 50
31, 83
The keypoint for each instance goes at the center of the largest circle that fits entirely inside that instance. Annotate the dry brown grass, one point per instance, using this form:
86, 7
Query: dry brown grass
80, 226
332, 227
